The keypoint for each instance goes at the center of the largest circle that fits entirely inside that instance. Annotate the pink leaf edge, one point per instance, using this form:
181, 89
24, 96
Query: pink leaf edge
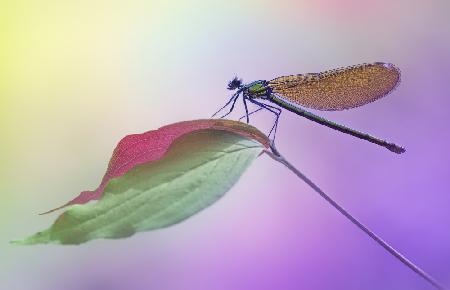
137, 149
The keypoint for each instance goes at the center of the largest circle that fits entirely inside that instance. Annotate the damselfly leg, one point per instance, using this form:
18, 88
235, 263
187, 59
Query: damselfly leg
246, 109
232, 99
232, 107
274, 110
251, 113
270, 108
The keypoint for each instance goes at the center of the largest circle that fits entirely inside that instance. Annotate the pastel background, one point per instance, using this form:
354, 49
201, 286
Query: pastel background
76, 76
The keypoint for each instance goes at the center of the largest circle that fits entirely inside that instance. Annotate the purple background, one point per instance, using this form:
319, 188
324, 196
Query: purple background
76, 77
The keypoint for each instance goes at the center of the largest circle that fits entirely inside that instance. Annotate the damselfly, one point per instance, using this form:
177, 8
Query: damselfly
332, 90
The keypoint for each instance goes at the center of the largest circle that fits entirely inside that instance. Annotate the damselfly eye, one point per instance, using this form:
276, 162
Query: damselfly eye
234, 84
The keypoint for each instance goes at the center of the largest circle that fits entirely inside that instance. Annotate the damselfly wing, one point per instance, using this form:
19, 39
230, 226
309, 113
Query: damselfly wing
338, 89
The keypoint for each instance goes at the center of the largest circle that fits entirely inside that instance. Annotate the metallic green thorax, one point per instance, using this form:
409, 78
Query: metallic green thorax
258, 89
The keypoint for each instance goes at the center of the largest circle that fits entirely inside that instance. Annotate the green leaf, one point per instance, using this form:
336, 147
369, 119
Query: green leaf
198, 169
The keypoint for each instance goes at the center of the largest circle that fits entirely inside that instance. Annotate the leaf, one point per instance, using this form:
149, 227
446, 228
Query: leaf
137, 149
196, 170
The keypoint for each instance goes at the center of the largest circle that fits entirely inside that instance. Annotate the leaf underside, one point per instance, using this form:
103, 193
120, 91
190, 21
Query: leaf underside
198, 169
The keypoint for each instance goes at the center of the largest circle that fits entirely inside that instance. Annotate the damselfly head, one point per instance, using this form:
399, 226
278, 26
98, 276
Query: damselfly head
234, 84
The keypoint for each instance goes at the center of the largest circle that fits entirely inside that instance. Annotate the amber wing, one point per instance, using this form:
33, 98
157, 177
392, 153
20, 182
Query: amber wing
338, 89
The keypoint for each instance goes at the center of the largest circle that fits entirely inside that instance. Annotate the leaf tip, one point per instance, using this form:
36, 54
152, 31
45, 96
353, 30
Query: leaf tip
38, 238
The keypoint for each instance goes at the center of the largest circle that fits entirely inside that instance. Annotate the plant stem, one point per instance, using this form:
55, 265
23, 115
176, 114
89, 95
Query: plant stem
274, 154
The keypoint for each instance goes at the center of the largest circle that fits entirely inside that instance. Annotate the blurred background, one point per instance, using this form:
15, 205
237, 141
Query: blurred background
77, 76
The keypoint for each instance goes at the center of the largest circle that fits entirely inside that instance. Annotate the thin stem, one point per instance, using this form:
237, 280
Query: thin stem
274, 154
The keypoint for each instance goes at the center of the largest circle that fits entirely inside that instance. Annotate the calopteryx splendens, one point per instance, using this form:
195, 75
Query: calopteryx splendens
332, 90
